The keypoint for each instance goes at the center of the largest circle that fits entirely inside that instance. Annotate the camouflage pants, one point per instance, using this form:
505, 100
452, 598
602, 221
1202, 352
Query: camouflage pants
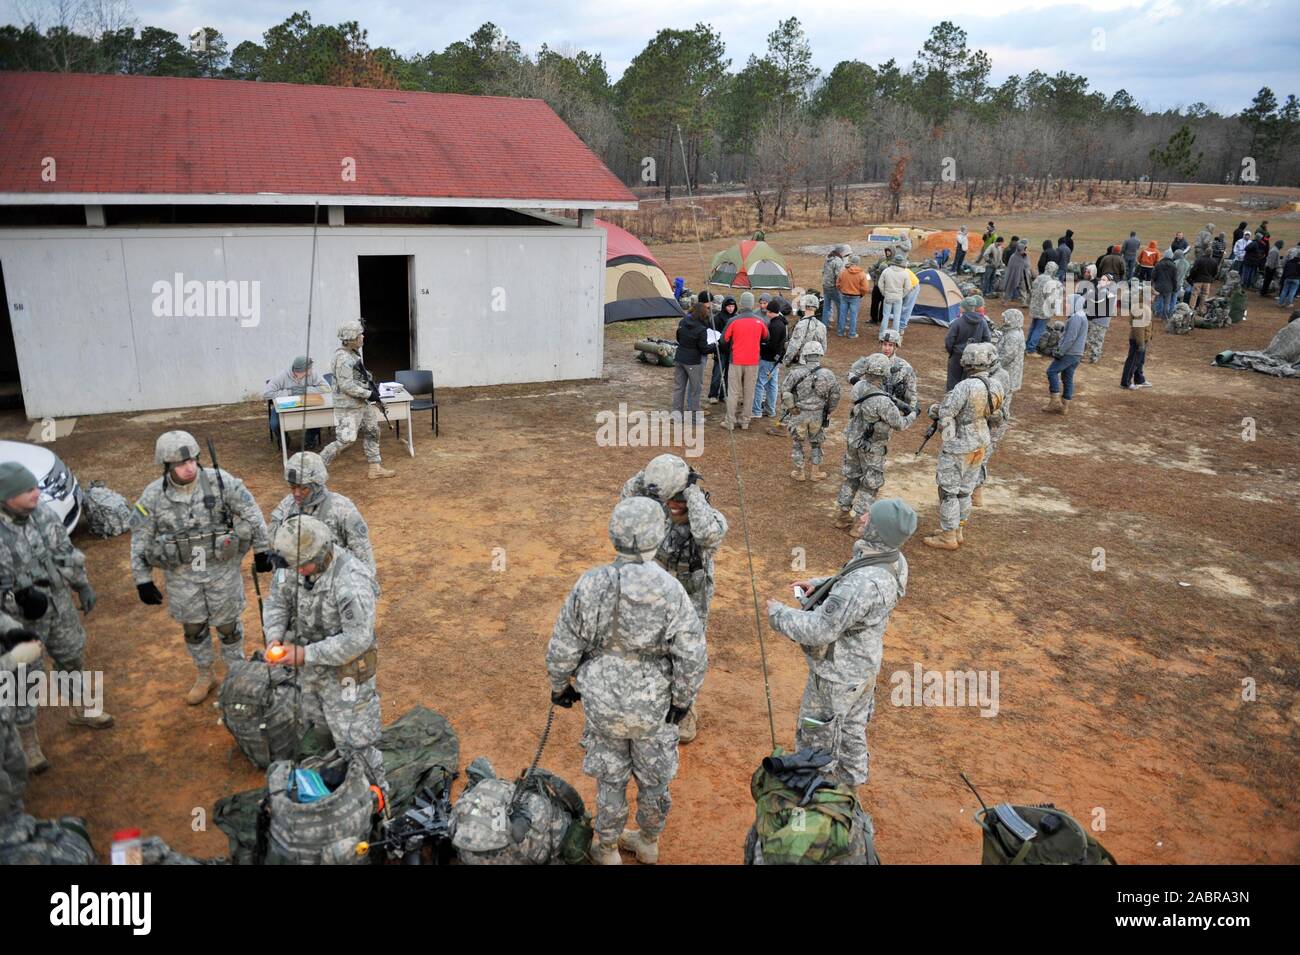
347, 423
1096, 336
995, 438
13, 770
350, 710
815, 433
864, 474
957, 476
834, 717
613, 761
212, 597
64, 641
198, 641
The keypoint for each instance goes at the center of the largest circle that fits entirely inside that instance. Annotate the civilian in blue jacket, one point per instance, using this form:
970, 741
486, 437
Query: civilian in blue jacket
1068, 353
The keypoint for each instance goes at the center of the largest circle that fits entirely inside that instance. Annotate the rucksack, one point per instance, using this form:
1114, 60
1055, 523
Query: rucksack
62, 841
260, 707
108, 513
549, 823
328, 830
1037, 835
821, 824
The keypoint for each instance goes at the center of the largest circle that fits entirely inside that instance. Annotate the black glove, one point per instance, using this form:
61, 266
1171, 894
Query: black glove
262, 562
277, 562
12, 638
826, 419
149, 593
566, 697
693, 477
374, 393
31, 602
676, 714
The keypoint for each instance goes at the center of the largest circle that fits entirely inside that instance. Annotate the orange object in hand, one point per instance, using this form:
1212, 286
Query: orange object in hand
276, 653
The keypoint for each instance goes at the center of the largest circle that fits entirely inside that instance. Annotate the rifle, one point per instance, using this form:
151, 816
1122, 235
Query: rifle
370, 379
427, 822
221, 488
929, 433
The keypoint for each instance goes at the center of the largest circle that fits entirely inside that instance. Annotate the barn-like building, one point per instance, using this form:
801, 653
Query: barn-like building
156, 237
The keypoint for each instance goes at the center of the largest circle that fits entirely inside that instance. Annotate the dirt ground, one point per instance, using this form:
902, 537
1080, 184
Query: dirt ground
1121, 690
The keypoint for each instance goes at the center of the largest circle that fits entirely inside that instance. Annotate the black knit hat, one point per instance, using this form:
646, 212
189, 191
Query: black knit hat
704, 296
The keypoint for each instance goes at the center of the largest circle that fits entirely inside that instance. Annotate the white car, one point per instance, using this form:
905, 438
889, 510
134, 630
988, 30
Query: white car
59, 487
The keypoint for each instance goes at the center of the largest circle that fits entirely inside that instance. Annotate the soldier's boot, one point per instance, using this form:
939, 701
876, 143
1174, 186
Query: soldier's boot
961, 532
845, 519
689, 727
817, 473
645, 847
943, 540
977, 497
1065, 406
83, 718
203, 684
602, 854
36, 761
377, 470
800, 473
1053, 405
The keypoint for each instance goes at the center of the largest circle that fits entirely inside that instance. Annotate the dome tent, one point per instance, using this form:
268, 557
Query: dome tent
750, 264
939, 300
635, 285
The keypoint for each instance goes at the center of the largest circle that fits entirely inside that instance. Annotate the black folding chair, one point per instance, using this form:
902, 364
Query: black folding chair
418, 383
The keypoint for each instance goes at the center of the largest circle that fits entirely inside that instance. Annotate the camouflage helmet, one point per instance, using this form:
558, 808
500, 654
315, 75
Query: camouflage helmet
315, 539
479, 821
891, 335
173, 447
349, 331
1013, 318
637, 525
665, 477
813, 349
306, 467
979, 355
876, 365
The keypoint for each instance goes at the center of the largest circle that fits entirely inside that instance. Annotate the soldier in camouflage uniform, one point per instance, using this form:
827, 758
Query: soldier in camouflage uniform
842, 637
354, 392
39, 570
875, 416
20, 648
901, 380
807, 329
306, 475
1045, 303
809, 394
963, 417
631, 641
998, 425
695, 532
195, 524
324, 617
1011, 353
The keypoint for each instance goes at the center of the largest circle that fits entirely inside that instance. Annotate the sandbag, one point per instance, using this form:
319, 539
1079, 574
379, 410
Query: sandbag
260, 707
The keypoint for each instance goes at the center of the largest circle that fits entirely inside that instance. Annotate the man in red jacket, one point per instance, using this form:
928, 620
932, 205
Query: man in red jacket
745, 335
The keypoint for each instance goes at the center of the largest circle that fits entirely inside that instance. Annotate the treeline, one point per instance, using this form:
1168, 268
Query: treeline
680, 114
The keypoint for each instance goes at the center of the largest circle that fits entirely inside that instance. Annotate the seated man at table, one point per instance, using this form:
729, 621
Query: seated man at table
291, 382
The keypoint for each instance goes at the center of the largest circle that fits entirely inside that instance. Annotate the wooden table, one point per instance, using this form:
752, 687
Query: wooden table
321, 415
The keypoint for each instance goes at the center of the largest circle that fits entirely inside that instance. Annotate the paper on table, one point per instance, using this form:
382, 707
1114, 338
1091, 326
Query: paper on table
389, 389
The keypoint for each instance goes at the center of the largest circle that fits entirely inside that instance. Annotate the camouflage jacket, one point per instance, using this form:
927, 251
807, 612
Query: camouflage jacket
809, 392
1045, 297
335, 618
968, 410
630, 636
900, 382
805, 330
873, 419
1011, 353
345, 522
351, 383
37, 549
693, 543
169, 527
843, 636
998, 422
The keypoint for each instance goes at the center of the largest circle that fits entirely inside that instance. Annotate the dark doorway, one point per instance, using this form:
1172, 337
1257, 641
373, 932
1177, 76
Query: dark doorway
11, 385
385, 285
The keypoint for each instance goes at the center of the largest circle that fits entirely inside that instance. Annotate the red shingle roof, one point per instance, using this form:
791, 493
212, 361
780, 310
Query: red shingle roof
134, 135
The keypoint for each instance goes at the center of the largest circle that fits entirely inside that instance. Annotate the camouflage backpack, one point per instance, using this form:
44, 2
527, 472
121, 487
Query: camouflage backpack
260, 707
62, 841
328, 830
1050, 340
547, 825
817, 824
1037, 835
1180, 321
108, 513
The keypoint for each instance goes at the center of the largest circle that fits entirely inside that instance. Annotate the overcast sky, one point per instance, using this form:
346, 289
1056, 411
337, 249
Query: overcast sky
1164, 52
